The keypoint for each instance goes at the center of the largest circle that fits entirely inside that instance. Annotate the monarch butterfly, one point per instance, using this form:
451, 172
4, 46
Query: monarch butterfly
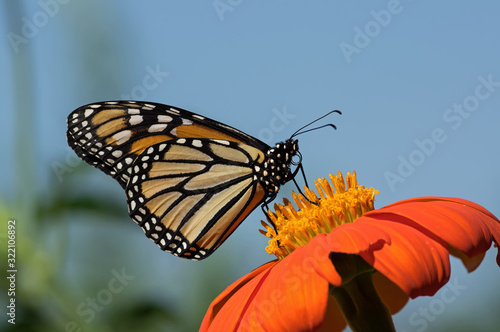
189, 180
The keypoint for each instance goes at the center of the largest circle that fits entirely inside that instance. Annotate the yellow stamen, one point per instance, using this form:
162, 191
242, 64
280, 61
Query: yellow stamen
343, 203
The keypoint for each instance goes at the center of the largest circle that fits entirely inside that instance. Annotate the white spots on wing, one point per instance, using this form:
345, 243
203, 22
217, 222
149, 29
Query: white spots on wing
181, 140
150, 150
111, 102
157, 127
197, 143
88, 112
134, 111
132, 205
173, 132
221, 141
122, 136
199, 117
88, 135
129, 160
95, 106
174, 111
162, 147
117, 153
135, 120
187, 122
85, 123
75, 115
164, 118
149, 106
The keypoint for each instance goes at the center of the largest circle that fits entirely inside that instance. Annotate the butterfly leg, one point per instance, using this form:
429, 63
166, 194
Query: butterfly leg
301, 168
265, 209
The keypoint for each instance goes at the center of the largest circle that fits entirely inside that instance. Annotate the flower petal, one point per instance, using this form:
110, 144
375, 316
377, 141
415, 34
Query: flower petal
462, 224
334, 320
418, 264
279, 296
348, 239
293, 296
218, 316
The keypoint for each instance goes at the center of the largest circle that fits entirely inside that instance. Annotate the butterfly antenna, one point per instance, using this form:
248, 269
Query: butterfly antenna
323, 126
307, 125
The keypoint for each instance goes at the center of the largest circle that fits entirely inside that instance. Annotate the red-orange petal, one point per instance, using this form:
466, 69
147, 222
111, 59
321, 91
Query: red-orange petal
464, 225
215, 322
351, 238
418, 264
470, 263
282, 296
334, 320
292, 298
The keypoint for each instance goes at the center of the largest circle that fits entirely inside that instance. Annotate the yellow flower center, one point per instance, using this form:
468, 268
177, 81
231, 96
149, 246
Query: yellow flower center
343, 203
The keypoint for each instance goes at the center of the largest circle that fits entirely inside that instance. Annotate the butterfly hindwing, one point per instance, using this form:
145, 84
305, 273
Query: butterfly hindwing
189, 195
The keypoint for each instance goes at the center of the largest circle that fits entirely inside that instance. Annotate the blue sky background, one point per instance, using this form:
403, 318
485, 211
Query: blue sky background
409, 66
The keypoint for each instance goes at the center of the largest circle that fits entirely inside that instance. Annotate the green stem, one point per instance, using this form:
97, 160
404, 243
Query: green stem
362, 307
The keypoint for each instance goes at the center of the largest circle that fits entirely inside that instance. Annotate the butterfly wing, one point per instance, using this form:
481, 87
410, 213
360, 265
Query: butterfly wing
111, 135
189, 195
189, 180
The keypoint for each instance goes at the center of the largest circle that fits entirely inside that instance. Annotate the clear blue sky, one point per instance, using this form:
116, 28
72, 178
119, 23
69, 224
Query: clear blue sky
418, 83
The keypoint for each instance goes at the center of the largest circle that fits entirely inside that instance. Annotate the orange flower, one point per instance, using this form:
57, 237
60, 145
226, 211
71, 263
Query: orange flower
340, 260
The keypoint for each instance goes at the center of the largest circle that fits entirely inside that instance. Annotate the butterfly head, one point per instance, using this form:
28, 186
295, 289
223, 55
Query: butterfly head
275, 171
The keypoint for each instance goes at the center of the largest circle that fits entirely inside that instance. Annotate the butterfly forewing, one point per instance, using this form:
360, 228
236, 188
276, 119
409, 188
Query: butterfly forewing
189, 180
111, 135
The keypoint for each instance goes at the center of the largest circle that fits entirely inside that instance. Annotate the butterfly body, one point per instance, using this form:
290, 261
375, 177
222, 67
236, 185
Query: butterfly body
189, 180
